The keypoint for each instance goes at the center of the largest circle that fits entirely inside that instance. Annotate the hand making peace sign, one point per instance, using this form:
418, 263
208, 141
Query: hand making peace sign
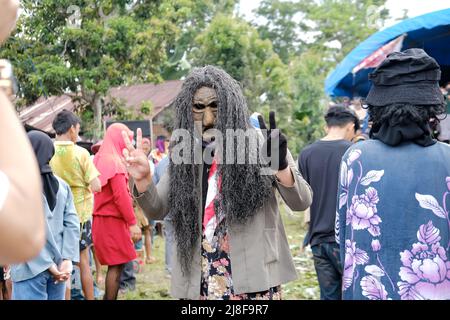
137, 162
274, 134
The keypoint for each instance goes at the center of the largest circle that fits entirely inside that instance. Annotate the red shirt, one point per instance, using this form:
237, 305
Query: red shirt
115, 200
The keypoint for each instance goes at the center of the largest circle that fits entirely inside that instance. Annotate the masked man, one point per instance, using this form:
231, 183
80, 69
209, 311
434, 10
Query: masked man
230, 239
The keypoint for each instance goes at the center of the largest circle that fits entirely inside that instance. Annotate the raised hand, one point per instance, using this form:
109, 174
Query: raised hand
274, 135
136, 161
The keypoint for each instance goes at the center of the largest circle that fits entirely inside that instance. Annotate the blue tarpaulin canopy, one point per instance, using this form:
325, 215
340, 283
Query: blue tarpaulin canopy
430, 32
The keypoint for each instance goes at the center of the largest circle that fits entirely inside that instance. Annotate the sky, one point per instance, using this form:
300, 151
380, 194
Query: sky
396, 7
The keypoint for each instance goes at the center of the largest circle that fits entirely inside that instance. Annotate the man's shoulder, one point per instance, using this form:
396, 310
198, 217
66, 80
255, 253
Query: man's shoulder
63, 145
443, 146
328, 145
438, 150
310, 147
304, 154
81, 152
365, 149
367, 145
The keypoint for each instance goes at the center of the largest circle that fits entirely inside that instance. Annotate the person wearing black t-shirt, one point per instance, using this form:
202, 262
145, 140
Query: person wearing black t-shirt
319, 164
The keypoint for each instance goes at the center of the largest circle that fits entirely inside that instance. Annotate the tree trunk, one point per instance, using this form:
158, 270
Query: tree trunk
97, 107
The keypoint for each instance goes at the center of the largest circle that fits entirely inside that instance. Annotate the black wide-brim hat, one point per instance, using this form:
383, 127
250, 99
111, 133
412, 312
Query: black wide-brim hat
408, 77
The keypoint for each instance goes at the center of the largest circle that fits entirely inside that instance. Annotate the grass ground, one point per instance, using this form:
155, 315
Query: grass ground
152, 282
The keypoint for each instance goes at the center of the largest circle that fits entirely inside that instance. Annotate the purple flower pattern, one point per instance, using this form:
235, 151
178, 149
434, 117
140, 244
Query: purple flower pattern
373, 289
425, 267
425, 273
362, 213
353, 257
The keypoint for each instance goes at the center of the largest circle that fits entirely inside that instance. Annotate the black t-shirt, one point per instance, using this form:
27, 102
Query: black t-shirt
319, 163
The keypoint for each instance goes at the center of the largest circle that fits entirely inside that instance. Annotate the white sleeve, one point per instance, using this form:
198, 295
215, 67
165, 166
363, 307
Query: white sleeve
4, 188
152, 166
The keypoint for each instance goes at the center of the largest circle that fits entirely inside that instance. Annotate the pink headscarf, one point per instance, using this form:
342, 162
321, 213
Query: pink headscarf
108, 159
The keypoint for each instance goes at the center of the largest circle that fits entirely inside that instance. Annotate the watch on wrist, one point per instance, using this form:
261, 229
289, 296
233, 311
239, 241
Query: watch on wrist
7, 83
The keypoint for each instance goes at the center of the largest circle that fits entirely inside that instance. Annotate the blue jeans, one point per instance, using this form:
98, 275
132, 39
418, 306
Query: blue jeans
41, 287
127, 277
75, 291
329, 270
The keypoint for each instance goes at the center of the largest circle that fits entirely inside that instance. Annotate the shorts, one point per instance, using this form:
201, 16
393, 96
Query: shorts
86, 235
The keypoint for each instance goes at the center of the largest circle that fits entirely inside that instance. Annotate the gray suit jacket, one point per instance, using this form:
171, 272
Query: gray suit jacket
259, 250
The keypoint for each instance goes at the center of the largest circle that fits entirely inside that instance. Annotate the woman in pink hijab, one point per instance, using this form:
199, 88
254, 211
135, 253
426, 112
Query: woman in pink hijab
114, 226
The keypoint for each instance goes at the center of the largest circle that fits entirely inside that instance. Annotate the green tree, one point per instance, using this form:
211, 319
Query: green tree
348, 22
305, 45
280, 26
309, 101
296, 26
197, 16
85, 47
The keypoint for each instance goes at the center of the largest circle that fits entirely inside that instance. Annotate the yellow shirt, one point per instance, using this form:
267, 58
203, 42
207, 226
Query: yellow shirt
74, 165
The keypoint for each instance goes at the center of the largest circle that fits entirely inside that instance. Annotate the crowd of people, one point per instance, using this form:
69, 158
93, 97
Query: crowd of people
379, 225
375, 187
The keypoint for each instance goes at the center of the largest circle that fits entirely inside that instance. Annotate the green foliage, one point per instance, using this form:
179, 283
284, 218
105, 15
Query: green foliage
196, 17
280, 26
117, 109
297, 26
311, 37
146, 108
85, 47
88, 46
87, 126
310, 102
347, 21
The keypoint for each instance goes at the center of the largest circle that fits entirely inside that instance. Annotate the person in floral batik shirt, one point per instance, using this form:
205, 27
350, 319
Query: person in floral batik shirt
393, 219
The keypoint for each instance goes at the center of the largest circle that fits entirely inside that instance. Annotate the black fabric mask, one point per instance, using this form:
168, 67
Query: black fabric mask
393, 135
44, 151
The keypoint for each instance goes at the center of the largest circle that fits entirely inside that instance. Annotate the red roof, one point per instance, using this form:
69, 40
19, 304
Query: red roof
41, 114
